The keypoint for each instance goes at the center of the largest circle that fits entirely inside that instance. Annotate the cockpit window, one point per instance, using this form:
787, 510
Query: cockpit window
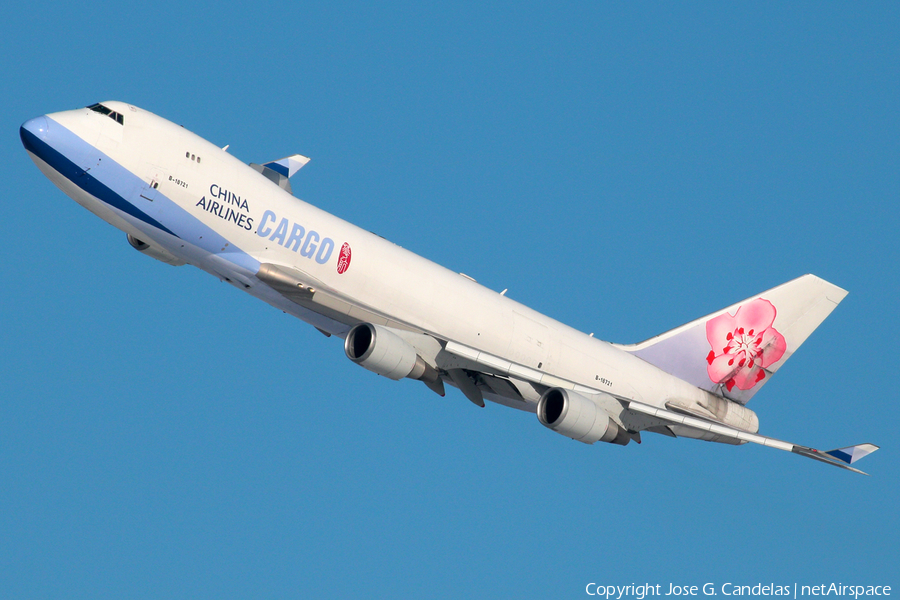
99, 108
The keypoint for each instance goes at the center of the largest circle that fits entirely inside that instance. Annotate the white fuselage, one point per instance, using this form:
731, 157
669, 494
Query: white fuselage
205, 207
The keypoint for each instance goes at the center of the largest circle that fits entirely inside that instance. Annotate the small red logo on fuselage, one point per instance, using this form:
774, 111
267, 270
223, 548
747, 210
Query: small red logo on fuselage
344, 259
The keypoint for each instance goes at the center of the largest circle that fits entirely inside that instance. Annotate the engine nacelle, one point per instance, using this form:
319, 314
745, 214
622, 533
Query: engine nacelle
579, 418
380, 350
156, 252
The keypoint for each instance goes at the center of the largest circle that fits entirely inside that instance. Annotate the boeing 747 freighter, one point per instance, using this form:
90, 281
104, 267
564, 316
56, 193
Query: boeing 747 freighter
183, 200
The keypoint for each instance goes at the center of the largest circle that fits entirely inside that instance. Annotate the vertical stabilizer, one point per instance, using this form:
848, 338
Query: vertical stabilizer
735, 351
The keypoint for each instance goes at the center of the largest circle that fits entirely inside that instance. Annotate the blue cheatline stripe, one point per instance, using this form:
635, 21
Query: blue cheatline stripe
118, 183
84, 180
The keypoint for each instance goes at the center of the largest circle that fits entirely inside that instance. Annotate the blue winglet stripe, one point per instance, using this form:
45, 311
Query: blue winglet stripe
841, 456
278, 168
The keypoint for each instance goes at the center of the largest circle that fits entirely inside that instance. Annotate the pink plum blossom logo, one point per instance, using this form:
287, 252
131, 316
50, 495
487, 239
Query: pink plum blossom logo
743, 345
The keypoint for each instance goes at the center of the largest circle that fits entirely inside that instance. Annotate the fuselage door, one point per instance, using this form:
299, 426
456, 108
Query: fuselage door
150, 189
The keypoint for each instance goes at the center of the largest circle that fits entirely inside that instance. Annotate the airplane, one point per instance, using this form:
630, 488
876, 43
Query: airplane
183, 200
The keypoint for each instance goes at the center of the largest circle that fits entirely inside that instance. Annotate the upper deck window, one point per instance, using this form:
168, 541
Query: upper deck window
99, 108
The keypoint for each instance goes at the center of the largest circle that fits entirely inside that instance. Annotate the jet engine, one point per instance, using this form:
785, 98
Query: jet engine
579, 418
380, 350
156, 252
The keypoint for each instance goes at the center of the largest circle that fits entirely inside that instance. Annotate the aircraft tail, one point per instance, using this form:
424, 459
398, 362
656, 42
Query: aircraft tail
735, 351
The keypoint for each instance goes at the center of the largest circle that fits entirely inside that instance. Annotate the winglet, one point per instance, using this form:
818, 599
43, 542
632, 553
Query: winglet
280, 171
851, 454
840, 457
288, 165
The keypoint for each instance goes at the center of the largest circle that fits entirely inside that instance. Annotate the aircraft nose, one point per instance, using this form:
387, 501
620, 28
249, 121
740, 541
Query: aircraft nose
36, 128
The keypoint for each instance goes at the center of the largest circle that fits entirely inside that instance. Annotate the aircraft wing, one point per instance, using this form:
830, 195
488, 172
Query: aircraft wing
841, 457
493, 365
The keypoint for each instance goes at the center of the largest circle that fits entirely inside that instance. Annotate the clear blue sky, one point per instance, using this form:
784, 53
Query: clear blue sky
623, 167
